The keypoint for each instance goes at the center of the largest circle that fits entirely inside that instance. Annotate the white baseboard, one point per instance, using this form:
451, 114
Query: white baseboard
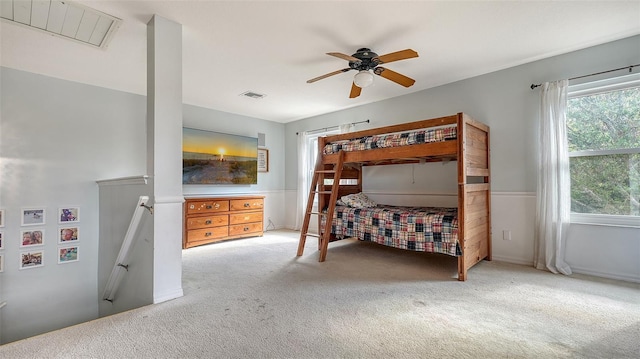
616, 276
168, 296
522, 261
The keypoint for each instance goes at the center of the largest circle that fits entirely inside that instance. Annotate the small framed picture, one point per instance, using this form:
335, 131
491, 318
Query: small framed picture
68, 214
67, 254
1, 262
1, 217
31, 259
33, 216
34, 237
263, 160
68, 235
1, 240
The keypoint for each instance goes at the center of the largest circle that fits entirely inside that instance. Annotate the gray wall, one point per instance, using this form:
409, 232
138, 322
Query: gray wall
504, 101
212, 120
57, 138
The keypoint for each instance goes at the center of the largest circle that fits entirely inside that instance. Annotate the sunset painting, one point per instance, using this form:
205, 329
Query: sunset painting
218, 158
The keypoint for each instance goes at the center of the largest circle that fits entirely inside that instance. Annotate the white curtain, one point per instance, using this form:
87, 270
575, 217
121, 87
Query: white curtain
303, 173
305, 167
553, 199
347, 127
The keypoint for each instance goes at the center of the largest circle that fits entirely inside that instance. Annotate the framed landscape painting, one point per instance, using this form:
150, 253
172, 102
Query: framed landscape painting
218, 158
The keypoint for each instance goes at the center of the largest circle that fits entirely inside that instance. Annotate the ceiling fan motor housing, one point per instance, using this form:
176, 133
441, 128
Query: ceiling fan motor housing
368, 60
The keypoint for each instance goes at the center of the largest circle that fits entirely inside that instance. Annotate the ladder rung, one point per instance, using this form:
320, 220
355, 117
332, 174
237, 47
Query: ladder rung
325, 171
322, 192
312, 235
318, 213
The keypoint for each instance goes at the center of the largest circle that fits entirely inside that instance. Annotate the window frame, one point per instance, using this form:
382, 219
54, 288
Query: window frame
594, 88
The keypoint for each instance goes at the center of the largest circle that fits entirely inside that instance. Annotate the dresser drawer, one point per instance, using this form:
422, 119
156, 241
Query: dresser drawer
207, 221
247, 217
239, 229
207, 234
209, 206
249, 203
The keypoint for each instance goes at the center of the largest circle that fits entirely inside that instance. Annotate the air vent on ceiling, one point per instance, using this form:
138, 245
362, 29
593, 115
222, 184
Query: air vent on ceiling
253, 95
62, 18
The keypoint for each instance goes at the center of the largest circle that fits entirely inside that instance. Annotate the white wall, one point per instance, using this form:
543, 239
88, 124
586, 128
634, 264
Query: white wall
504, 101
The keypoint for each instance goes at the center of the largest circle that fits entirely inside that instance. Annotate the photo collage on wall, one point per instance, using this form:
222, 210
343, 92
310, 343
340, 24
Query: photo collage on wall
33, 236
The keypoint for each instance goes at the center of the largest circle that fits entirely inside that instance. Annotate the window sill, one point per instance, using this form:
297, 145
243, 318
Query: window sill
605, 220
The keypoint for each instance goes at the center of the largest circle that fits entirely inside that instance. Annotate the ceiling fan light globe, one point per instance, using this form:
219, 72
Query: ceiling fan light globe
363, 79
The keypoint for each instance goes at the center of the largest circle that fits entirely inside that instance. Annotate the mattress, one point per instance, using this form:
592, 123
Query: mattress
393, 140
423, 229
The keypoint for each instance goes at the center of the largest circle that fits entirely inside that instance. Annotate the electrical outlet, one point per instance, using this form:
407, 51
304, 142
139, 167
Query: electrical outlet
506, 235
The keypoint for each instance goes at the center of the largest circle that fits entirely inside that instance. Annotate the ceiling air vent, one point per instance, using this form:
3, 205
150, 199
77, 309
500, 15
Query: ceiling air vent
62, 18
253, 95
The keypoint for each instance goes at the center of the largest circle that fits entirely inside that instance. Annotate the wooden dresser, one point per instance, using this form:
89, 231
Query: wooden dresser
214, 219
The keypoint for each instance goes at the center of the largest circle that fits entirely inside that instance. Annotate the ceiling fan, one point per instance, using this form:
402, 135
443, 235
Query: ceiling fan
366, 62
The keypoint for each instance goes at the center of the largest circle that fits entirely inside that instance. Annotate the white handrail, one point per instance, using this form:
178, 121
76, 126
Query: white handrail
121, 266
2, 304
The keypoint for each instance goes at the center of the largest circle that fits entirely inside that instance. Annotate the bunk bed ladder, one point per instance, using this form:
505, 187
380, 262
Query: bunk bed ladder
320, 173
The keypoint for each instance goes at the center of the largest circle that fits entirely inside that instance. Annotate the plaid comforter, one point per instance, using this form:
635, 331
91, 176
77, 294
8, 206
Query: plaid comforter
423, 229
392, 140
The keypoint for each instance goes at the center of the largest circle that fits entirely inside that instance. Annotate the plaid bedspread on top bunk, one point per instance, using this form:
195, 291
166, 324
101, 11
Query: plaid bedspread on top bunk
393, 140
423, 229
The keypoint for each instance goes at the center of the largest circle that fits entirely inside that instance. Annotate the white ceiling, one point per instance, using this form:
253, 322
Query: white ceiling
273, 47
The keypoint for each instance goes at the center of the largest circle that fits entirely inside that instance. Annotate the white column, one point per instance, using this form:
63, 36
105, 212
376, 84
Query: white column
164, 153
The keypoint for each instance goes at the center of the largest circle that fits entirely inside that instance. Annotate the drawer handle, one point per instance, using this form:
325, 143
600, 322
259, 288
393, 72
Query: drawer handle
247, 204
209, 206
246, 229
208, 221
215, 205
207, 234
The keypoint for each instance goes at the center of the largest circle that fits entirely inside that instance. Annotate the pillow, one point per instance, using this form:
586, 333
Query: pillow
357, 200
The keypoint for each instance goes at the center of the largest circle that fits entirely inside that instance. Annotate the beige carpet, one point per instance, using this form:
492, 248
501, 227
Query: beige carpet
254, 298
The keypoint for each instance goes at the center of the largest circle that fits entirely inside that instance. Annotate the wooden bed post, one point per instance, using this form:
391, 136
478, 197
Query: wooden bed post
462, 180
474, 199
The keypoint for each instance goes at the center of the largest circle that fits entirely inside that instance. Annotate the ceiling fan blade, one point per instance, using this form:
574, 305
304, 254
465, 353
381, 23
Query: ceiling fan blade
343, 56
396, 56
394, 76
355, 91
327, 75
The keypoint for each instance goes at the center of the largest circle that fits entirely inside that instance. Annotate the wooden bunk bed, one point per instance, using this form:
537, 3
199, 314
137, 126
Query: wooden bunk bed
453, 138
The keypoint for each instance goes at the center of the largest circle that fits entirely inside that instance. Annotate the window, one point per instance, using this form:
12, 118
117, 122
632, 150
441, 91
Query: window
312, 143
603, 131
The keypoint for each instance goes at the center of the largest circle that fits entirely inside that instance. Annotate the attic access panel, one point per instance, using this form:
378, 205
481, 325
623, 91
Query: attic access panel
64, 19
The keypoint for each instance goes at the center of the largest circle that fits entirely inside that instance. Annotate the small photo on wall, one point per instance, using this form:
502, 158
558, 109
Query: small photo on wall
67, 254
33, 216
33, 237
68, 214
31, 259
69, 234
1, 217
1, 240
